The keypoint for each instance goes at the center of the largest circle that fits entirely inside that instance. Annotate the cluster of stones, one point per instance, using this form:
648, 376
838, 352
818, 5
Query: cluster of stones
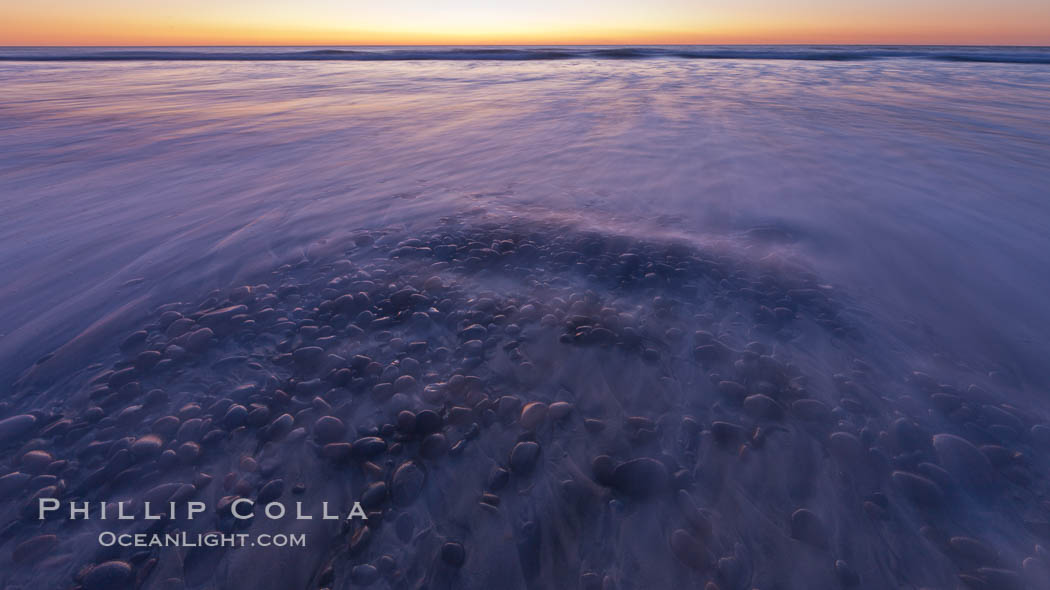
404, 359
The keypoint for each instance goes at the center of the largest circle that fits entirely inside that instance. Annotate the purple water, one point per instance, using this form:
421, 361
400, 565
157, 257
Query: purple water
917, 185
826, 220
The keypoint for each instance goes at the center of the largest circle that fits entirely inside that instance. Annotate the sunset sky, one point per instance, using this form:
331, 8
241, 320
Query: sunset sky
364, 22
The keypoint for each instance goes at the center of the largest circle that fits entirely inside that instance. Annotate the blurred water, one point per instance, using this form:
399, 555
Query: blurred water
918, 186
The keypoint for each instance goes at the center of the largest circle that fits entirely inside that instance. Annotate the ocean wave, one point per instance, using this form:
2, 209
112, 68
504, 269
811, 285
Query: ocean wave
1015, 55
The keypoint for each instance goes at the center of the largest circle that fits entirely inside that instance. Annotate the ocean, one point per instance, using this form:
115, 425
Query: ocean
686, 245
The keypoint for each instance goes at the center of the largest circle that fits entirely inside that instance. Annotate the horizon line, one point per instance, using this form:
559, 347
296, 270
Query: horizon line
752, 44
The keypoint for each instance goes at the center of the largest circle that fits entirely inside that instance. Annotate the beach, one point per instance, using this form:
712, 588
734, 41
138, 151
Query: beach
742, 317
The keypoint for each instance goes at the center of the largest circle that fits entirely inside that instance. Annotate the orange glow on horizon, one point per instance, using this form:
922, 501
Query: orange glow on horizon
330, 22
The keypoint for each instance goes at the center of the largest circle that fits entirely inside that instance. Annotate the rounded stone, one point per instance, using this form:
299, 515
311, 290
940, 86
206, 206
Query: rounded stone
368, 447
406, 421
405, 383
845, 447
641, 478
603, 466
762, 407
109, 575
374, 495
808, 528
918, 489
428, 421
434, 446
364, 575
271, 491
33, 548
329, 429
811, 410
339, 451
198, 340
16, 426
235, 416
846, 575
453, 554
280, 426
407, 483
523, 457
308, 355
532, 415
147, 446
188, 452
559, 410
36, 461
963, 460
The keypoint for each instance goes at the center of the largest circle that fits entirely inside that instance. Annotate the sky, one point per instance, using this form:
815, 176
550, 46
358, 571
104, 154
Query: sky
419, 22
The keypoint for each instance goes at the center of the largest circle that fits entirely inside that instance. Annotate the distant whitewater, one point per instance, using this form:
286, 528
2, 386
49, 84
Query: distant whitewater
1020, 55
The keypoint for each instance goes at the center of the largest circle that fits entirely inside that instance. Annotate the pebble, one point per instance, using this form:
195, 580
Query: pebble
762, 407
308, 356
374, 495
434, 446
407, 483
36, 461
559, 410
641, 478
271, 491
523, 457
453, 554
364, 574
280, 426
405, 383
14, 482
847, 576
918, 489
110, 575
34, 548
498, 478
147, 446
1000, 578
845, 447
811, 410
532, 415
368, 447
134, 340
1040, 433
188, 452
406, 421
507, 406
179, 327
907, 435
807, 527
235, 416
198, 340
329, 429
428, 421
997, 455
337, 451
963, 460
690, 551
726, 433
972, 551
16, 426
593, 425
